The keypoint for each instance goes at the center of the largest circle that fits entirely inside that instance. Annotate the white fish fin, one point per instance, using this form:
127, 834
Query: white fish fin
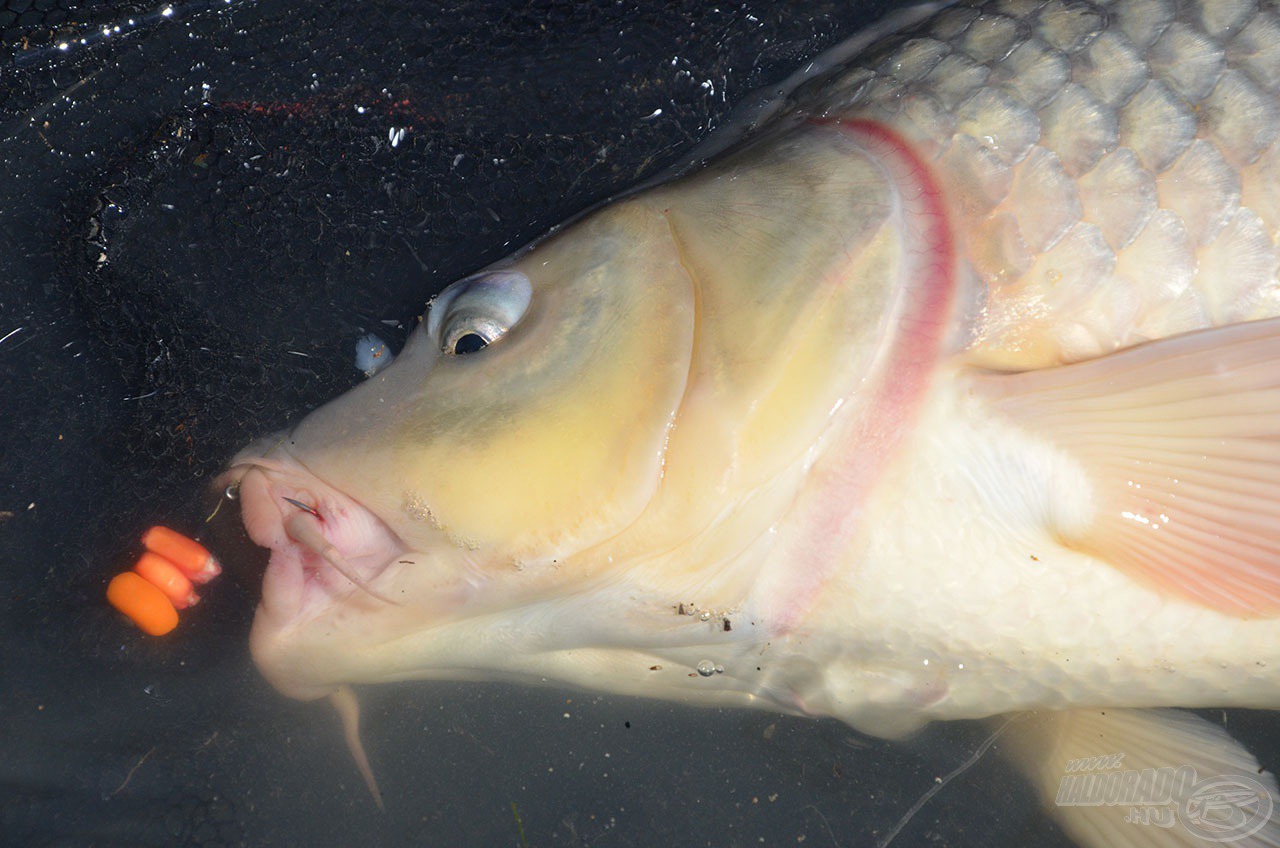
344, 701
1183, 781
1180, 441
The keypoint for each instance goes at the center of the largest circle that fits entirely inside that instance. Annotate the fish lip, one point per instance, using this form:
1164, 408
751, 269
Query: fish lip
298, 583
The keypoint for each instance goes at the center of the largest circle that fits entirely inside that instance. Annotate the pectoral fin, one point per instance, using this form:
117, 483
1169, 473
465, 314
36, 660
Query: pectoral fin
1180, 440
1127, 778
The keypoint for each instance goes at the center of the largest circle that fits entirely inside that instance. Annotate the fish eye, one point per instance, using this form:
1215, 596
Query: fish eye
475, 312
467, 343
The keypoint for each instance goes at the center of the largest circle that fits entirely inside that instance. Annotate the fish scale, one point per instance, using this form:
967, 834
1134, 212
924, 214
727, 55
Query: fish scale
1095, 165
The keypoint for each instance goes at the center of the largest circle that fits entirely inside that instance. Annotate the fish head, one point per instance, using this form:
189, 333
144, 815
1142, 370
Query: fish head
585, 444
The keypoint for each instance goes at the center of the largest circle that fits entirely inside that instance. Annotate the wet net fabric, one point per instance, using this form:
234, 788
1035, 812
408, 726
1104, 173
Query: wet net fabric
227, 253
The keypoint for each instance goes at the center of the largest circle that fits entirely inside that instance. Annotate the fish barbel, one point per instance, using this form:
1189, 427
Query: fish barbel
950, 391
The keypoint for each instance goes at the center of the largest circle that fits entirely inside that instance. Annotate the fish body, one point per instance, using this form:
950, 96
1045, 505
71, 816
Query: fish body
948, 393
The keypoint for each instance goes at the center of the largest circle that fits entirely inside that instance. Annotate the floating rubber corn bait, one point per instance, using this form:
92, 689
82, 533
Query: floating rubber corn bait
143, 602
168, 578
160, 583
189, 555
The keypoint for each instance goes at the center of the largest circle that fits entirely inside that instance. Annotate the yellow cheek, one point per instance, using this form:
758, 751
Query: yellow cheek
557, 440
564, 474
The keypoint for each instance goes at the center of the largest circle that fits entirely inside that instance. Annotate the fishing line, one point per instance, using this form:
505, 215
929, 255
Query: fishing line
937, 787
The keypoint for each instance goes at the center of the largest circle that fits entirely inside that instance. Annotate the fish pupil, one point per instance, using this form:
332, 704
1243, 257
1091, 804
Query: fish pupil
470, 343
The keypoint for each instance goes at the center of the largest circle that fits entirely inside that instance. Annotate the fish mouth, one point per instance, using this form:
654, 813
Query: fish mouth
326, 547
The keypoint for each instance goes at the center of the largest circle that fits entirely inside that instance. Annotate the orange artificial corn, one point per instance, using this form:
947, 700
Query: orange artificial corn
189, 555
145, 604
168, 578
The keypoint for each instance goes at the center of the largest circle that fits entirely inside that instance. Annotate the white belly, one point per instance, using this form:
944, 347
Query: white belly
962, 603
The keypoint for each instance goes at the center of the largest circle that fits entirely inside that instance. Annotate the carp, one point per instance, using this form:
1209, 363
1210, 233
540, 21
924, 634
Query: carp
949, 391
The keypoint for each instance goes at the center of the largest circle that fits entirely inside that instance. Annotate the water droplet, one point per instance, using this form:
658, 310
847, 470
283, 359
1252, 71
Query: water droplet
706, 668
705, 616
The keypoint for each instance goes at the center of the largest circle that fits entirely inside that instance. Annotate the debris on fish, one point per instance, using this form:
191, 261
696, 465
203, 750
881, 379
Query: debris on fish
372, 354
949, 392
